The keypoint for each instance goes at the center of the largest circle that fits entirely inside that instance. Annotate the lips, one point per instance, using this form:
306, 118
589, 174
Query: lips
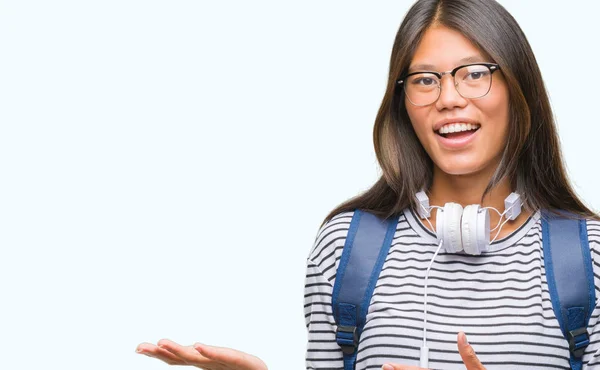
457, 140
451, 128
453, 122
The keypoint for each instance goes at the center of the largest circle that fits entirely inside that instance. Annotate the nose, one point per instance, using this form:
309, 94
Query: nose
449, 96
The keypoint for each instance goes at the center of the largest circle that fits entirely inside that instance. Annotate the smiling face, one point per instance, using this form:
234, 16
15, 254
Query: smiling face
462, 136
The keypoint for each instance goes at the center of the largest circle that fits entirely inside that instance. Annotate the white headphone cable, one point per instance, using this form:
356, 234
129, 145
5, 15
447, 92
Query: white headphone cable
424, 362
500, 229
499, 224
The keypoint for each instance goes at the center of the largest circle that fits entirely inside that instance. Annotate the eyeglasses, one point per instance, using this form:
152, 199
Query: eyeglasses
471, 81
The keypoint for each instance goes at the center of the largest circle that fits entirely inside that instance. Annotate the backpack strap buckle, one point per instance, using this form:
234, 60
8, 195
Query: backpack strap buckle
347, 338
578, 340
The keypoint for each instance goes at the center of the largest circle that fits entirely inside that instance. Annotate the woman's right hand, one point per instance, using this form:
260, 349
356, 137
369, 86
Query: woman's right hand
201, 355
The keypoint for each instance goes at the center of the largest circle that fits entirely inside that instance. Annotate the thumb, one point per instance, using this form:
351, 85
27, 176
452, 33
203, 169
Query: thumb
467, 353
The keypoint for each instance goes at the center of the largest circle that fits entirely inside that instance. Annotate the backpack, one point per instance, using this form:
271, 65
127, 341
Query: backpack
569, 275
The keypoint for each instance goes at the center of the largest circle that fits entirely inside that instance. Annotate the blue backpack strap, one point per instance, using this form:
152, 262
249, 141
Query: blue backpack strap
367, 244
570, 277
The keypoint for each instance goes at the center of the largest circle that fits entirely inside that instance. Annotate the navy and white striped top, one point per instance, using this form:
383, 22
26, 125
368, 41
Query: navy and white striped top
500, 299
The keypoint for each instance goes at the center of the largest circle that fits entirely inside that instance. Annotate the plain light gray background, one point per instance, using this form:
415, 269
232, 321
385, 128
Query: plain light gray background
165, 165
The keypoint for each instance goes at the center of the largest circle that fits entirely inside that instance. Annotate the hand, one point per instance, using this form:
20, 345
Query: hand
201, 356
464, 349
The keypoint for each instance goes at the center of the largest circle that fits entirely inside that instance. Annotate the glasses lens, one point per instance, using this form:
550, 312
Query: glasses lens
422, 88
473, 81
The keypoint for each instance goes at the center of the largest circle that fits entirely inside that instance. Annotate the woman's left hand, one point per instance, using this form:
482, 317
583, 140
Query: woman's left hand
464, 349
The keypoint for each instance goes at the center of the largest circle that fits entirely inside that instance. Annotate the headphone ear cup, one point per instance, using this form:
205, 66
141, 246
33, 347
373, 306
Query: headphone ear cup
483, 231
475, 229
451, 231
439, 225
469, 228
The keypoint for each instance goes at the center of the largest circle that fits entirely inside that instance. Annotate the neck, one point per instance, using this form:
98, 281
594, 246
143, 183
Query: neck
467, 189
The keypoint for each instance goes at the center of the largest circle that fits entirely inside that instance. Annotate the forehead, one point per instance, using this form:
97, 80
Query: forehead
442, 49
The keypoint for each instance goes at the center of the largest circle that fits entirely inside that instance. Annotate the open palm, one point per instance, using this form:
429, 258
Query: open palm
201, 356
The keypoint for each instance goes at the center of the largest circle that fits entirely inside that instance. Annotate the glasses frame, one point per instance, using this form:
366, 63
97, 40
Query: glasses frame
493, 67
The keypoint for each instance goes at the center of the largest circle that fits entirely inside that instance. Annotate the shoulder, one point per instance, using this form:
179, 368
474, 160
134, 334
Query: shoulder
329, 243
328, 246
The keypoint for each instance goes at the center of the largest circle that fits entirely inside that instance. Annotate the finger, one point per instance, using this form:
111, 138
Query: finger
221, 354
231, 358
151, 350
188, 354
467, 353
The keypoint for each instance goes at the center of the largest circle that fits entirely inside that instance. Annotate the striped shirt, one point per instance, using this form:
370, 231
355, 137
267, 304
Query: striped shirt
500, 299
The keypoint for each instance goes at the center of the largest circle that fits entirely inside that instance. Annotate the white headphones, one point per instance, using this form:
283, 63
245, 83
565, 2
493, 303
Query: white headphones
466, 229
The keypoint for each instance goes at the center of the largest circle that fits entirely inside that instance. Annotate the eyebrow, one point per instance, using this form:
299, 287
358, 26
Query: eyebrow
431, 67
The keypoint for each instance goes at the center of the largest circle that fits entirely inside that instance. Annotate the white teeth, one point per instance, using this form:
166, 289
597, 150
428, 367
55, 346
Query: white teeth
457, 127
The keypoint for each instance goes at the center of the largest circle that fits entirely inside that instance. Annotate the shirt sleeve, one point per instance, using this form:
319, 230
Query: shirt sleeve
322, 350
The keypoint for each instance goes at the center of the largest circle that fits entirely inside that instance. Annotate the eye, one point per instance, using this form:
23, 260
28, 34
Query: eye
425, 81
476, 75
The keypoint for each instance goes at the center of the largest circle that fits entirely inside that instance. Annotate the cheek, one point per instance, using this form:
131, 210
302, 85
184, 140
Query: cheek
418, 120
496, 110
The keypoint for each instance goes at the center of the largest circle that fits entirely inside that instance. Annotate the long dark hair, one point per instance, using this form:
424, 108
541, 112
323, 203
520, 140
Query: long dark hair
532, 158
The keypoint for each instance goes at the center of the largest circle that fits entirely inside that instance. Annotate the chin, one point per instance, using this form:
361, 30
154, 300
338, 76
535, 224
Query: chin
460, 168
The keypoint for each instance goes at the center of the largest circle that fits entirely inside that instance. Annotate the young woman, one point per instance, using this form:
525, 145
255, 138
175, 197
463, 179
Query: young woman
466, 119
